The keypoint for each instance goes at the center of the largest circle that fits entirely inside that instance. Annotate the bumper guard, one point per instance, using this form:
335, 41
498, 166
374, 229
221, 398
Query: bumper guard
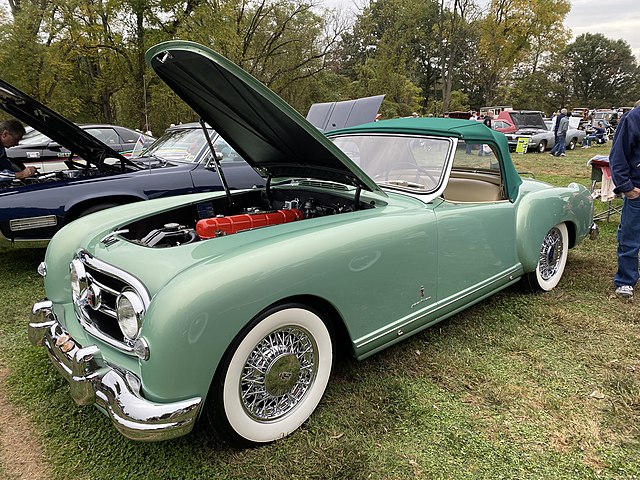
115, 390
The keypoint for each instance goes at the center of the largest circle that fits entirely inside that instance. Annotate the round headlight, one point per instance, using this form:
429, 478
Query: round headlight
78, 278
130, 310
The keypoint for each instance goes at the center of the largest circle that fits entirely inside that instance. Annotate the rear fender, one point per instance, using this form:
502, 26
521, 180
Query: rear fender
541, 210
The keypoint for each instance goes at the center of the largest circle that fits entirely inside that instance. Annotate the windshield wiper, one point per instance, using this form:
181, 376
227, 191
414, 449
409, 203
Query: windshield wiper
404, 183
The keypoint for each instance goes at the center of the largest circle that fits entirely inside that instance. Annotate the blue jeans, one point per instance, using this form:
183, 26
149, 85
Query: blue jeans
589, 139
628, 243
560, 145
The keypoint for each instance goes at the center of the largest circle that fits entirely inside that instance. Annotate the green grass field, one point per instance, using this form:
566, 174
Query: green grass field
520, 386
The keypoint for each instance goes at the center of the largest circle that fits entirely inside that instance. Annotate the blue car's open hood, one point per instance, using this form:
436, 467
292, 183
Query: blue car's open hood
267, 132
28, 110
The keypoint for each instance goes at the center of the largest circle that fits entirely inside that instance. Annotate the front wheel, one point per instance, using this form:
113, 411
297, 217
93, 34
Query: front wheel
572, 144
542, 146
553, 258
272, 377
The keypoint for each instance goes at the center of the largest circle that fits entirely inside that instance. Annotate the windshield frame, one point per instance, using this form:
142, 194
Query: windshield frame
425, 195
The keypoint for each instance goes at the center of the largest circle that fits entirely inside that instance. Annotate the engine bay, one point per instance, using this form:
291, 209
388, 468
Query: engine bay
53, 177
250, 210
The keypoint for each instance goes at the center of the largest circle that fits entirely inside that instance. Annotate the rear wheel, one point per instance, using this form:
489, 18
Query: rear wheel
553, 258
272, 377
572, 144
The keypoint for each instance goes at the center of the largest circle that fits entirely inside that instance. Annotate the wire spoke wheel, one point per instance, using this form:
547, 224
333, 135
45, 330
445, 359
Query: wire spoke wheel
278, 373
551, 254
551, 260
272, 377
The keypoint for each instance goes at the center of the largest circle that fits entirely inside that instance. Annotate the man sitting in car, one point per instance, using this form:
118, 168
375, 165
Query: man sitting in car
12, 132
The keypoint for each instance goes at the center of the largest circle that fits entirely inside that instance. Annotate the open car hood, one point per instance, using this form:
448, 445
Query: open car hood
56, 127
267, 132
348, 113
525, 119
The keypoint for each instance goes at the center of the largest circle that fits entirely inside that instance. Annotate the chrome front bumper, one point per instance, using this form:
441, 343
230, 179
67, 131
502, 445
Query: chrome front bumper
115, 390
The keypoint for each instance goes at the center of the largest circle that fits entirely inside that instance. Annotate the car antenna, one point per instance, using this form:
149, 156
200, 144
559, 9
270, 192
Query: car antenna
217, 160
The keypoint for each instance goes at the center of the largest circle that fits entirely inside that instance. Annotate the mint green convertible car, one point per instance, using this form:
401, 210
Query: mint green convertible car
228, 307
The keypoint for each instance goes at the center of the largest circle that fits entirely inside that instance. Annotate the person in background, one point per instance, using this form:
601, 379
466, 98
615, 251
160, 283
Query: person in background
560, 131
597, 134
11, 132
624, 161
468, 146
487, 121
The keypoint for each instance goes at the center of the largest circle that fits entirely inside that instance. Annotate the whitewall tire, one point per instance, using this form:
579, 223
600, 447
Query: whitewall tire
272, 377
553, 259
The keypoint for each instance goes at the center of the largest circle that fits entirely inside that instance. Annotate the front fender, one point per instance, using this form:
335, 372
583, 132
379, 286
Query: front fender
201, 310
540, 210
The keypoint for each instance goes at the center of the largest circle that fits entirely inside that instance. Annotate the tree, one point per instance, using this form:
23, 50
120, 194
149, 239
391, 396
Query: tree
511, 31
454, 31
85, 58
604, 71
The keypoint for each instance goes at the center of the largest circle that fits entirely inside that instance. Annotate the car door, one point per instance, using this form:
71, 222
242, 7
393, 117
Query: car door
476, 229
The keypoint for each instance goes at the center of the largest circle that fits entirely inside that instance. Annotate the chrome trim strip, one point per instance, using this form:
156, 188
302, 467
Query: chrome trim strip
409, 319
117, 274
29, 223
108, 311
88, 325
117, 391
121, 276
105, 287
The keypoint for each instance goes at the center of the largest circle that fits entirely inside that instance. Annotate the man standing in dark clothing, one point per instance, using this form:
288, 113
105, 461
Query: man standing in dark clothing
487, 120
11, 132
555, 151
624, 161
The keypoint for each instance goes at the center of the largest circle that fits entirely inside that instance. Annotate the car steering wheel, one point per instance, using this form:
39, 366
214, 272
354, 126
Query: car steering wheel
384, 175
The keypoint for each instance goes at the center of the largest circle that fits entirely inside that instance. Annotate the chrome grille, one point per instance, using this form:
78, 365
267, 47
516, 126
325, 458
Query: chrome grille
98, 316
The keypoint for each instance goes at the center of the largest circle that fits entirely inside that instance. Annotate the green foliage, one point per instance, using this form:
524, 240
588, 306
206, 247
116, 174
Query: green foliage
86, 59
512, 31
459, 102
376, 77
602, 70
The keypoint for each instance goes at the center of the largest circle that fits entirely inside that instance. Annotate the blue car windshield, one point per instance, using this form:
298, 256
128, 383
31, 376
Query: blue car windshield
179, 145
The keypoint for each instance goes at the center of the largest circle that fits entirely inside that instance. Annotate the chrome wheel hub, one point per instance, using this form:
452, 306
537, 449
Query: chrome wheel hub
278, 373
551, 254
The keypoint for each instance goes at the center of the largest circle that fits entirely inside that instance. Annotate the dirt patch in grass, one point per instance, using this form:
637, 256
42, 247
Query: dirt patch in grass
21, 452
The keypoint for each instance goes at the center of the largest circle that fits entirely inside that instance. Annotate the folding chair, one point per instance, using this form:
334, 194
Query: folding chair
600, 174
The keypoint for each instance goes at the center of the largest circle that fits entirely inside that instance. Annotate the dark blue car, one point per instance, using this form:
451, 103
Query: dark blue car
96, 177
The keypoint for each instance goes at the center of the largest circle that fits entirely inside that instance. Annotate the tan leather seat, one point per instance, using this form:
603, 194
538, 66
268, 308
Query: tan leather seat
470, 190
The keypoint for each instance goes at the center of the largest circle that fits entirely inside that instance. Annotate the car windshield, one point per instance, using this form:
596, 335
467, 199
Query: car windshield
406, 162
179, 145
34, 138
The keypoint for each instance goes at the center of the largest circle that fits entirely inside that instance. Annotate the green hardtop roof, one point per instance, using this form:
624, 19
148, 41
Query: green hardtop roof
452, 127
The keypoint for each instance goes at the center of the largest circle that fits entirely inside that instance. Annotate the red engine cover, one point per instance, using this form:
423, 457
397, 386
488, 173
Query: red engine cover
218, 226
